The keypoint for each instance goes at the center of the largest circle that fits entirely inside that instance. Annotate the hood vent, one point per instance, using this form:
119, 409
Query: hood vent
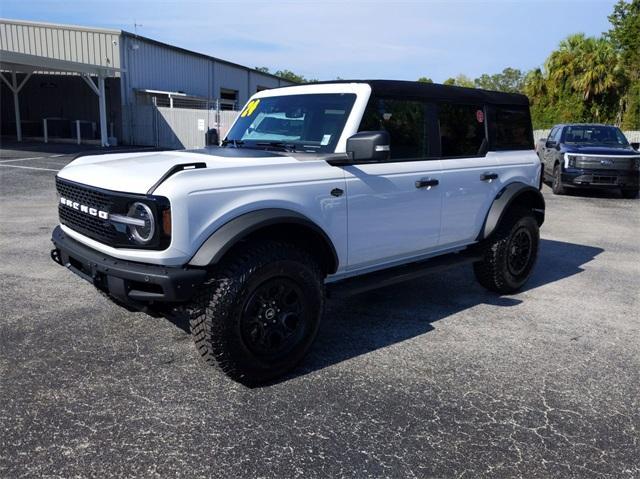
176, 169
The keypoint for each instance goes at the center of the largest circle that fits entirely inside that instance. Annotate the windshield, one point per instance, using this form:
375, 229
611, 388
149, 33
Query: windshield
609, 135
310, 123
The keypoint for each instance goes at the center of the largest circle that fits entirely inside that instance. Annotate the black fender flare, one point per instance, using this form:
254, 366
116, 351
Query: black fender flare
229, 234
509, 195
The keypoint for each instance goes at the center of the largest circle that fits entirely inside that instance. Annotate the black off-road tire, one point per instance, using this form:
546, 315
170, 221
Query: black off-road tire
556, 184
496, 272
218, 314
629, 194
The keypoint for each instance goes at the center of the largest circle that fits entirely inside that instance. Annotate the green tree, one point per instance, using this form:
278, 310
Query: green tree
460, 80
425, 80
262, 69
293, 77
625, 36
509, 80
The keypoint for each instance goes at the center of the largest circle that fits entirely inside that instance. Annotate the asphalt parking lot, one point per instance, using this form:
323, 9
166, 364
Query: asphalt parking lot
433, 378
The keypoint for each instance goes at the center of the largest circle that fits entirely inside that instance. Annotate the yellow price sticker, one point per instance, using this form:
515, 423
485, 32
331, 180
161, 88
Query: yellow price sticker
249, 109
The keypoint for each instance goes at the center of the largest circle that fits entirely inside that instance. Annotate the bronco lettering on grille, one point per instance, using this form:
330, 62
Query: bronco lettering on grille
84, 208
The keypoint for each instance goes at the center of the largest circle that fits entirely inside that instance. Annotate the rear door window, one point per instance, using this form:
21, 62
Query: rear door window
511, 127
462, 129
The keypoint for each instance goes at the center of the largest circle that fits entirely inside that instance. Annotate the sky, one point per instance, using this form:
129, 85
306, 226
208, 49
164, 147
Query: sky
403, 39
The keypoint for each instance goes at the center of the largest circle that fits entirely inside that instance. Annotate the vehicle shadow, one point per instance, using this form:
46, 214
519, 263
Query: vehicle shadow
605, 193
369, 321
380, 318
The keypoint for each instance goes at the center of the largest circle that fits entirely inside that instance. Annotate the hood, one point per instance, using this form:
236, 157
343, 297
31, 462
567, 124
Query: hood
599, 150
139, 172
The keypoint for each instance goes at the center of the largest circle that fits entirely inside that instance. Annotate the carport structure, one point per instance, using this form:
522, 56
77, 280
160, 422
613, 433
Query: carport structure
13, 63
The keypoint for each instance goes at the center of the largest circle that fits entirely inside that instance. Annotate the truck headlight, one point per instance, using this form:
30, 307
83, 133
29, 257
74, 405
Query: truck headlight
142, 230
572, 161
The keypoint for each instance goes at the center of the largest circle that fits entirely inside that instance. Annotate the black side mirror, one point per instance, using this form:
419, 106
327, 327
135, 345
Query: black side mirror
369, 146
551, 144
635, 145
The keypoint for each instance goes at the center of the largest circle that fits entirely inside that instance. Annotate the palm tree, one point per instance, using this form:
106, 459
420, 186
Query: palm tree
564, 63
535, 84
599, 68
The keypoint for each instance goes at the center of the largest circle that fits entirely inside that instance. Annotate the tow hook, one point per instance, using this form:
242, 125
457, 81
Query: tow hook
55, 256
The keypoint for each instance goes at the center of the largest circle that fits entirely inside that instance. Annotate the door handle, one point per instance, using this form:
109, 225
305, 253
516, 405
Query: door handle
488, 176
427, 183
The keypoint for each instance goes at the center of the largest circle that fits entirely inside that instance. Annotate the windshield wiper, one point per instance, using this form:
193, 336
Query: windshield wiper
235, 143
288, 147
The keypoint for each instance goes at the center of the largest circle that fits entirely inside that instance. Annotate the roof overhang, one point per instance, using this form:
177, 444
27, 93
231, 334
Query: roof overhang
23, 62
170, 94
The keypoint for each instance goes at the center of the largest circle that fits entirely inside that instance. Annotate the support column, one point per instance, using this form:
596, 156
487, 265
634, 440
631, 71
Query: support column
15, 88
104, 138
102, 105
16, 106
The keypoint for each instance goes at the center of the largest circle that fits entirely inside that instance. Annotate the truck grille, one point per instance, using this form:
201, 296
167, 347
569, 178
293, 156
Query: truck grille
96, 228
605, 163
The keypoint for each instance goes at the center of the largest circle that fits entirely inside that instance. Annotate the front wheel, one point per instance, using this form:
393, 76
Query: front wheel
556, 185
259, 314
509, 254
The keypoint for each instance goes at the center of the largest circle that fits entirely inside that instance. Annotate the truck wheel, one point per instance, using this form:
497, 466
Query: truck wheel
509, 254
258, 315
629, 194
556, 185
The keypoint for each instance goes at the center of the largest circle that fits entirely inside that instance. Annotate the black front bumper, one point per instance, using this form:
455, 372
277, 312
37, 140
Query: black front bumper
589, 178
136, 285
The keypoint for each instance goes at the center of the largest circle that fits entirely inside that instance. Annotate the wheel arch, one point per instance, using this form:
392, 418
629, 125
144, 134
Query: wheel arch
268, 223
512, 195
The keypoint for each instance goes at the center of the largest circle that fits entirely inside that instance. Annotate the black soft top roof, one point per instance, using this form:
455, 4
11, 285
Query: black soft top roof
436, 91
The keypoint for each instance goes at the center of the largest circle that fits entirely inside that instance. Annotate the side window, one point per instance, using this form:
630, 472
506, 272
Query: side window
558, 135
461, 129
512, 128
405, 121
552, 133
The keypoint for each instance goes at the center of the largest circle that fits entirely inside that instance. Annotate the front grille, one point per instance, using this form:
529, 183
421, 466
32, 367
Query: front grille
96, 228
605, 163
113, 203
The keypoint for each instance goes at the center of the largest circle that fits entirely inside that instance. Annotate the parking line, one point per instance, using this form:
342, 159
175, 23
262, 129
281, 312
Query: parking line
25, 159
28, 167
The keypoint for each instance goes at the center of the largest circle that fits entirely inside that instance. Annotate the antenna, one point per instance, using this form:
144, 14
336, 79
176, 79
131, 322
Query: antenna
135, 46
135, 27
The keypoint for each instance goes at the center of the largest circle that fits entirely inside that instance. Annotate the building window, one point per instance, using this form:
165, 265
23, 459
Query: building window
461, 129
228, 99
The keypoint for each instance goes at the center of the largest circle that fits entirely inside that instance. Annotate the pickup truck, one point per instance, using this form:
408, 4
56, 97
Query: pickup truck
323, 189
589, 155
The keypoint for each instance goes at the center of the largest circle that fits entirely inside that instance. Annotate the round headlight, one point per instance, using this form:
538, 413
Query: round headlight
141, 233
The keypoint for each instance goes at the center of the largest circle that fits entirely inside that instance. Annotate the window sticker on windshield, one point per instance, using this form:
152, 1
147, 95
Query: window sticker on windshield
250, 108
325, 140
480, 116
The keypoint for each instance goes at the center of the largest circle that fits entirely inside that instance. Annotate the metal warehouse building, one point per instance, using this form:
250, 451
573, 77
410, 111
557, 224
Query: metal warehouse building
81, 84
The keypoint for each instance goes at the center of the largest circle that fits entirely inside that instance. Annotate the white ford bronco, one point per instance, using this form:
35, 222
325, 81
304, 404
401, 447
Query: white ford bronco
321, 189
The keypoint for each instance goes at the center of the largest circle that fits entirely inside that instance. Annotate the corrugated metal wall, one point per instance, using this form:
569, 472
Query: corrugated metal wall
154, 66
76, 44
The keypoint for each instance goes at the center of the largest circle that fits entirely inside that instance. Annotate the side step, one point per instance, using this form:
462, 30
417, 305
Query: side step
399, 274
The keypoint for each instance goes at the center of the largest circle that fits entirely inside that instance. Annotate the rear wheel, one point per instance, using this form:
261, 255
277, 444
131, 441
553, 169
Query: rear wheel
509, 254
630, 193
258, 316
556, 185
